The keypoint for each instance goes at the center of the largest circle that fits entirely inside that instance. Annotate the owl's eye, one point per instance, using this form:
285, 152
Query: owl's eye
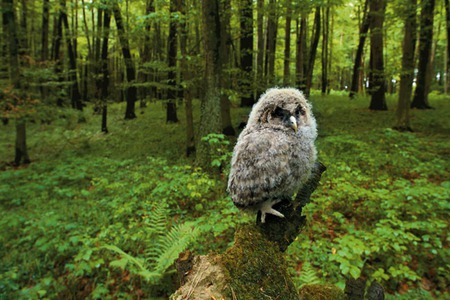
299, 111
278, 113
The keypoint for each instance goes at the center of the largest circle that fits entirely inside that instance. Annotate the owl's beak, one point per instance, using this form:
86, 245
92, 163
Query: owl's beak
293, 123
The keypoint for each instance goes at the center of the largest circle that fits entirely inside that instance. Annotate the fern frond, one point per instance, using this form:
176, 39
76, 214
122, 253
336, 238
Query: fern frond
126, 256
176, 241
157, 219
308, 275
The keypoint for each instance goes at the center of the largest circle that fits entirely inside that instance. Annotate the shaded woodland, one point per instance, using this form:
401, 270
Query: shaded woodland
221, 53
119, 118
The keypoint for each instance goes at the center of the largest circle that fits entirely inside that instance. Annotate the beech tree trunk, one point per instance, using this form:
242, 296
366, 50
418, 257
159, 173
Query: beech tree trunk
325, 42
354, 87
246, 53
312, 52
130, 90
287, 45
224, 56
407, 73
210, 117
420, 99
171, 108
186, 79
9, 20
75, 92
271, 41
260, 48
104, 74
301, 54
447, 56
377, 84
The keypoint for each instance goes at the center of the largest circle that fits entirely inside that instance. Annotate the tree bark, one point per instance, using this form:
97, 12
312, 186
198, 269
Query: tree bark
287, 45
104, 73
186, 79
271, 42
260, 48
377, 84
301, 52
224, 55
210, 117
407, 73
312, 52
130, 90
354, 88
325, 43
447, 55
171, 108
21, 150
75, 92
420, 99
45, 28
246, 54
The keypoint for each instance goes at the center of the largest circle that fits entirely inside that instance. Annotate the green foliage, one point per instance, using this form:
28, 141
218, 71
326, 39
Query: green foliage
219, 150
381, 211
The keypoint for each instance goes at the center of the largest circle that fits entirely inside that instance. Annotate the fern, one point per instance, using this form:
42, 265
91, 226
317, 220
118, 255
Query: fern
164, 246
308, 275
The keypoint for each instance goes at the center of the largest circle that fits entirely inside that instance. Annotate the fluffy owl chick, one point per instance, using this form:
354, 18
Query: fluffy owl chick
275, 152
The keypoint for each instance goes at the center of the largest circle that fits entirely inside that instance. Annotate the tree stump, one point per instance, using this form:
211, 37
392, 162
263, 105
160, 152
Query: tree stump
254, 267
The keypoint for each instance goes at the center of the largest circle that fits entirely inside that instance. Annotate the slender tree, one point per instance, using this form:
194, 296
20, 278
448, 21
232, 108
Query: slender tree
364, 29
186, 81
325, 44
301, 52
246, 53
312, 51
271, 41
9, 19
420, 99
171, 108
75, 93
103, 78
210, 118
377, 83
260, 47
131, 92
447, 57
407, 73
287, 44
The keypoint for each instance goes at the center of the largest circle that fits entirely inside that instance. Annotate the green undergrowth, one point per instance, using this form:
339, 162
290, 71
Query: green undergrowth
104, 216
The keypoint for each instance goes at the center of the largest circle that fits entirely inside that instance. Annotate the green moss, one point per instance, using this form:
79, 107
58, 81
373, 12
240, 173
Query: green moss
321, 292
256, 268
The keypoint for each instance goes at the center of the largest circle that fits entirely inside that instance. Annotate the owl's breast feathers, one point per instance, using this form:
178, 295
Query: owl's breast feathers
269, 164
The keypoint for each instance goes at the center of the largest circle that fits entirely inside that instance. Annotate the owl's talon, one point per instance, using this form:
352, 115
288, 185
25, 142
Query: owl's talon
266, 208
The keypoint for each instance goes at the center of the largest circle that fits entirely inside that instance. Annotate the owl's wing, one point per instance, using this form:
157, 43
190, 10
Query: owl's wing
260, 168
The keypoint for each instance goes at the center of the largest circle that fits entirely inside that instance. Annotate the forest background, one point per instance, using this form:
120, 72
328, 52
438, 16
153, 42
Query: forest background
98, 197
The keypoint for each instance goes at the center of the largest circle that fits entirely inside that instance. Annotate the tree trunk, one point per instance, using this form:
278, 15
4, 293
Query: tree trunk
45, 28
186, 79
130, 90
21, 150
420, 99
260, 48
407, 73
377, 85
104, 73
287, 45
210, 118
301, 53
354, 88
447, 54
171, 108
325, 34
224, 56
246, 53
271, 42
75, 92
312, 52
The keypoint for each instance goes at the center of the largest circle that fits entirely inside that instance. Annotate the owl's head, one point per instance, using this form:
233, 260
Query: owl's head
285, 109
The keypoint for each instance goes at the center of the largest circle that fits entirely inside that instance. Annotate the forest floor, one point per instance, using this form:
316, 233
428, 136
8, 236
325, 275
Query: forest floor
381, 211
